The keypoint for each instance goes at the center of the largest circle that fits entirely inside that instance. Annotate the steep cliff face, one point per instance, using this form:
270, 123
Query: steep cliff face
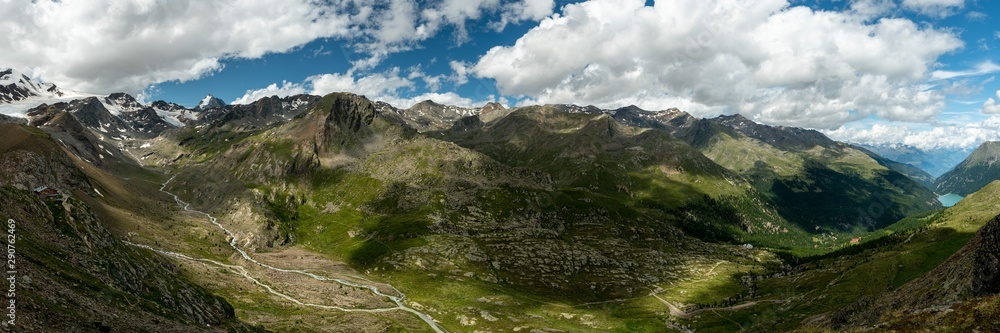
338, 122
346, 113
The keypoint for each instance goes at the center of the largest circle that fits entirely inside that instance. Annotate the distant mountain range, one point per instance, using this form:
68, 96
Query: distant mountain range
935, 162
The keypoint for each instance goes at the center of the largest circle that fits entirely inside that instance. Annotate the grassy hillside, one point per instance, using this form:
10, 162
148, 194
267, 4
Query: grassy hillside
816, 184
837, 290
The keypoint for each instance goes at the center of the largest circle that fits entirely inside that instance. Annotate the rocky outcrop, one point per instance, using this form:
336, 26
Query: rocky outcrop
986, 275
339, 121
470, 123
349, 112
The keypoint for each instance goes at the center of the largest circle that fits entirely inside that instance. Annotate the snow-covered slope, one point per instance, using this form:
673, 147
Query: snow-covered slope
18, 93
175, 114
15, 86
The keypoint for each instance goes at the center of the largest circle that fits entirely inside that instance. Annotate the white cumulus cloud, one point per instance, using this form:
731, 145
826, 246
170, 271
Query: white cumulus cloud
408, 22
389, 87
104, 46
946, 136
991, 106
286, 89
771, 61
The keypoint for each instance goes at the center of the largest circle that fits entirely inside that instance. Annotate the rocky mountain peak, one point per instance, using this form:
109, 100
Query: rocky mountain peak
164, 105
987, 153
210, 102
492, 107
123, 101
632, 108
349, 111
976, 171
735, 119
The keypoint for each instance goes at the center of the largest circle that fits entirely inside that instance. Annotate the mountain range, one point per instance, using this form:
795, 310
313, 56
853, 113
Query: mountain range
306, 212
935, 162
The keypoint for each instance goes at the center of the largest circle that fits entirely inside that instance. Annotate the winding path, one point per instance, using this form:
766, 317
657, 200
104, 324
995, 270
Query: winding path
680, 313
243, 271
400, 305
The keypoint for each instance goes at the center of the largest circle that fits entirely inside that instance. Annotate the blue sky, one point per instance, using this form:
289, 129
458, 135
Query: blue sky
918, 72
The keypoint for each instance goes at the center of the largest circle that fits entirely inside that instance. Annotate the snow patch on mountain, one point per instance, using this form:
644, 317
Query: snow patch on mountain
174, 114
15, 86
19, 93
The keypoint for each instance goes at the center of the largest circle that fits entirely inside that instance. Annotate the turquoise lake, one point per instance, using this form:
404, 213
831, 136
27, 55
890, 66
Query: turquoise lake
950, 199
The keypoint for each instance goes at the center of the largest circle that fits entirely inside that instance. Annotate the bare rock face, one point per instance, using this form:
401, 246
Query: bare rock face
470, 123
986, 277
338, 121
350, 112
93, 114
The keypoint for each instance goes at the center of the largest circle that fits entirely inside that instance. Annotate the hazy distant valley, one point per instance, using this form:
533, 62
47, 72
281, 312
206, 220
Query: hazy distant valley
338, 213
